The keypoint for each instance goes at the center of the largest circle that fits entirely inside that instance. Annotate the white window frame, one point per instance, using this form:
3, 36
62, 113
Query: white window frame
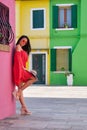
30, 61
62, 6
62, 47
32, 19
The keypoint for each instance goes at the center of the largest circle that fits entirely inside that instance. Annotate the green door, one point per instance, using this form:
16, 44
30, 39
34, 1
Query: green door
39, 64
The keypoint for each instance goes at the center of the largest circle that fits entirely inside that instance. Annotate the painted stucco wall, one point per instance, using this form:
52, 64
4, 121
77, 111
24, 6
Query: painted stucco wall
39, 38
65, 38
7, 102
76, 38
80, 52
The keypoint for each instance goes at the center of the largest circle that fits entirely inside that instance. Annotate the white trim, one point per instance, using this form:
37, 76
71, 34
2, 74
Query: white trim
30, 61
64, 4
62, 72
31, 15
62, 47
64, 29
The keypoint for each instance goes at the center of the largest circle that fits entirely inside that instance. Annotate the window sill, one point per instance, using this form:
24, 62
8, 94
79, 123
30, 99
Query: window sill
5, 48
64, 28
38, 28
60, 72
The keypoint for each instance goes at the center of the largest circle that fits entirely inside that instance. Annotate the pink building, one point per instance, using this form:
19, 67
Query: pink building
7, 18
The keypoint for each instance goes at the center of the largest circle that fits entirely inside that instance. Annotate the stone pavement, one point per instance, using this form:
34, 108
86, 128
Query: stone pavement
53, 108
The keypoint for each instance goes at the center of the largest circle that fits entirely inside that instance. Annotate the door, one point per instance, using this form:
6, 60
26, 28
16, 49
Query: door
39, 64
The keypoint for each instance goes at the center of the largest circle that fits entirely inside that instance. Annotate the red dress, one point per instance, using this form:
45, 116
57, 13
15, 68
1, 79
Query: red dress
19, 73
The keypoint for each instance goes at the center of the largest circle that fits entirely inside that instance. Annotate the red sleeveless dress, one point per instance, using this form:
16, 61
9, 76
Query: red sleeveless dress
19, 73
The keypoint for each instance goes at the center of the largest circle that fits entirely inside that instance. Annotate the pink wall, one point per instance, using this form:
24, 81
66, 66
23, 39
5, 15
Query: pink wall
7, 102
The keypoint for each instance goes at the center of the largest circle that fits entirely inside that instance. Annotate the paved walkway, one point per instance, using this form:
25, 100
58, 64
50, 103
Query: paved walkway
53, 108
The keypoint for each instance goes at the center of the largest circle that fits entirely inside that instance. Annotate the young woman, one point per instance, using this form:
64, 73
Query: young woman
22, 77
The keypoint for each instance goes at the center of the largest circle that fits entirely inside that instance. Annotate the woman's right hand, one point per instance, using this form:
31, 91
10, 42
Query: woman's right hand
18, 48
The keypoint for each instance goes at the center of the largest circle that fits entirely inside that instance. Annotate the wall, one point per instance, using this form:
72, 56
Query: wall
23, 9
80, 52
64, 38
7, 103
76, 38
39, 38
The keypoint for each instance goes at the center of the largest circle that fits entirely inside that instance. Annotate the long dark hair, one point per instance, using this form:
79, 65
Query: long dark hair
27, 47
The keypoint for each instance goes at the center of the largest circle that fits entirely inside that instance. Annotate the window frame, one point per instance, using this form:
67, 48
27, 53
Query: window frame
62, 5
65, 10
44, 17
53, 68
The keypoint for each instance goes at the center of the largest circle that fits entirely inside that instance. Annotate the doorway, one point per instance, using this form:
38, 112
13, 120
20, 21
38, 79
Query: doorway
38, 63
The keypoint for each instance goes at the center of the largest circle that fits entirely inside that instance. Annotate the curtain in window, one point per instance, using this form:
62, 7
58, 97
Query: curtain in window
61, 60
61, 17
69, 17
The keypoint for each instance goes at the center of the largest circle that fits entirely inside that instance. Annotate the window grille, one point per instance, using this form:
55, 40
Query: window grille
6, 33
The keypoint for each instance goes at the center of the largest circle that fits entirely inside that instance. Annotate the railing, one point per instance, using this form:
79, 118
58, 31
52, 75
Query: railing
6, 33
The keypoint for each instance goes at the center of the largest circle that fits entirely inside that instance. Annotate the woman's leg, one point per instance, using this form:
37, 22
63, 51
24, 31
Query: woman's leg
23, 105
21, 99
21, 87
28, 83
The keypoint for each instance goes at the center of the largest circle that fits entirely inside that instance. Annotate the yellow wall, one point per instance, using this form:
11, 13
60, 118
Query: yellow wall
39, 38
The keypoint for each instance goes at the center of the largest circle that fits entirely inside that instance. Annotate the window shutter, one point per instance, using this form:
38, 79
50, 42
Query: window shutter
34, 19
38, 19
55, 16
53, 59
70, 60
74, 16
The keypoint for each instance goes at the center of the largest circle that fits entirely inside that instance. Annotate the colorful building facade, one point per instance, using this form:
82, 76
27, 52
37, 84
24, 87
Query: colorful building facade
68, 44
32, 19
7, 27
57, 30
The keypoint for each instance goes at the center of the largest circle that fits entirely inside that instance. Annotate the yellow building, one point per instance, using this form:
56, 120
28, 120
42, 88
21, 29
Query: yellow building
32, 19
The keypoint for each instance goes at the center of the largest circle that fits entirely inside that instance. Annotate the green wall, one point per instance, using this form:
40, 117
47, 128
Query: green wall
75, 38
80, 52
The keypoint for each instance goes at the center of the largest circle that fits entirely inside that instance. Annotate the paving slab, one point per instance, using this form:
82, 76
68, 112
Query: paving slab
53, 108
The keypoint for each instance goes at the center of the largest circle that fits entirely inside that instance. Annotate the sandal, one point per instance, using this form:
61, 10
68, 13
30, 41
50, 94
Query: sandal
24, 111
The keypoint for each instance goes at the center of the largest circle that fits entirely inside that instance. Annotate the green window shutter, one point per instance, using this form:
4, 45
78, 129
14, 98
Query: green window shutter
53, 59
74, 16
55, 16
70, 60
38, 19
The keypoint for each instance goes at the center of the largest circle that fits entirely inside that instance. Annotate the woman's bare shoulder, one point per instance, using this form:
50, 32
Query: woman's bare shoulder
18, 48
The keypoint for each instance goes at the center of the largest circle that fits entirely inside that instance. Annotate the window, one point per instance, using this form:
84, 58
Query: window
6, 33
65, 16
61, 59
4, 19
38, 19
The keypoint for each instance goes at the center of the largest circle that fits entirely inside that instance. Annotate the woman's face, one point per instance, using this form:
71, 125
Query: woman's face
23, 41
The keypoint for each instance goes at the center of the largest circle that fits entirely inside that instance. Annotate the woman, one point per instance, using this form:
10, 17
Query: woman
22, 77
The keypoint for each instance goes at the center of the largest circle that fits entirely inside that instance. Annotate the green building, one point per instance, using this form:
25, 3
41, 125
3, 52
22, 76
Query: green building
68, 41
